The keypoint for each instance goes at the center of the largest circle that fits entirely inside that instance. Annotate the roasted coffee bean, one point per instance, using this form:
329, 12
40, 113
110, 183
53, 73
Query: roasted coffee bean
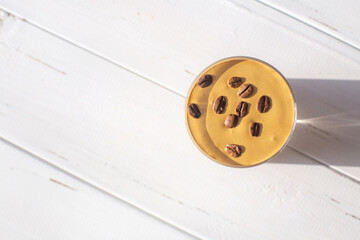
242, 109
220, 105
245, 90
264, 104
194, 110
231, 121
233, 150
205, 81
255, 129
235, 82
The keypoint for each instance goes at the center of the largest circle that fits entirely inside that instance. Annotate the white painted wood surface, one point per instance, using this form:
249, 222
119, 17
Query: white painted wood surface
89, 117
163, 39
339, 19
37, 201
164, 42
75, 103
329, 126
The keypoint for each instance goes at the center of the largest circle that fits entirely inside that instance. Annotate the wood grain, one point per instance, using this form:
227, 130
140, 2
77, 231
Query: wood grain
169, 43
116, 131
329, 125
338, 19
40, 202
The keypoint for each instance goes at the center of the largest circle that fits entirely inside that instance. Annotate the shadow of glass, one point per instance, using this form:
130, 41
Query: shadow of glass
328, 126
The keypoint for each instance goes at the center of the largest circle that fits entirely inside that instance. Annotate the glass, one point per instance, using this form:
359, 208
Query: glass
225, 60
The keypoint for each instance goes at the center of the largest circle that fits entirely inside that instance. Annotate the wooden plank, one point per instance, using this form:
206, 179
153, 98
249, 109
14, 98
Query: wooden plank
141, 37
329, 126
40, 202
336, 18
90, 118
170, 42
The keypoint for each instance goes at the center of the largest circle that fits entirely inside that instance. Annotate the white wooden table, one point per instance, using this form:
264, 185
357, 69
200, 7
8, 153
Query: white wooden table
93, 140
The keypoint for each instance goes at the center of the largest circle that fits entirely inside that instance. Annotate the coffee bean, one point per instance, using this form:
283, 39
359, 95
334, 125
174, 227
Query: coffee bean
242, 109
205, 81
233, 150
235, 82
255, 129
231, 121
220, 105
245, 90
194, 110
264, 104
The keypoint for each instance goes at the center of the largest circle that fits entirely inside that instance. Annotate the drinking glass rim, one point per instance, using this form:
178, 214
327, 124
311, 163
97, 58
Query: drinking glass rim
229, 59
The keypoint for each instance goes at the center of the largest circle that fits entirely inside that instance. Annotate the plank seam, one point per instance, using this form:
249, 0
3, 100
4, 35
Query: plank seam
334, 169
88, 50
93, 185
150, 80
303, 21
